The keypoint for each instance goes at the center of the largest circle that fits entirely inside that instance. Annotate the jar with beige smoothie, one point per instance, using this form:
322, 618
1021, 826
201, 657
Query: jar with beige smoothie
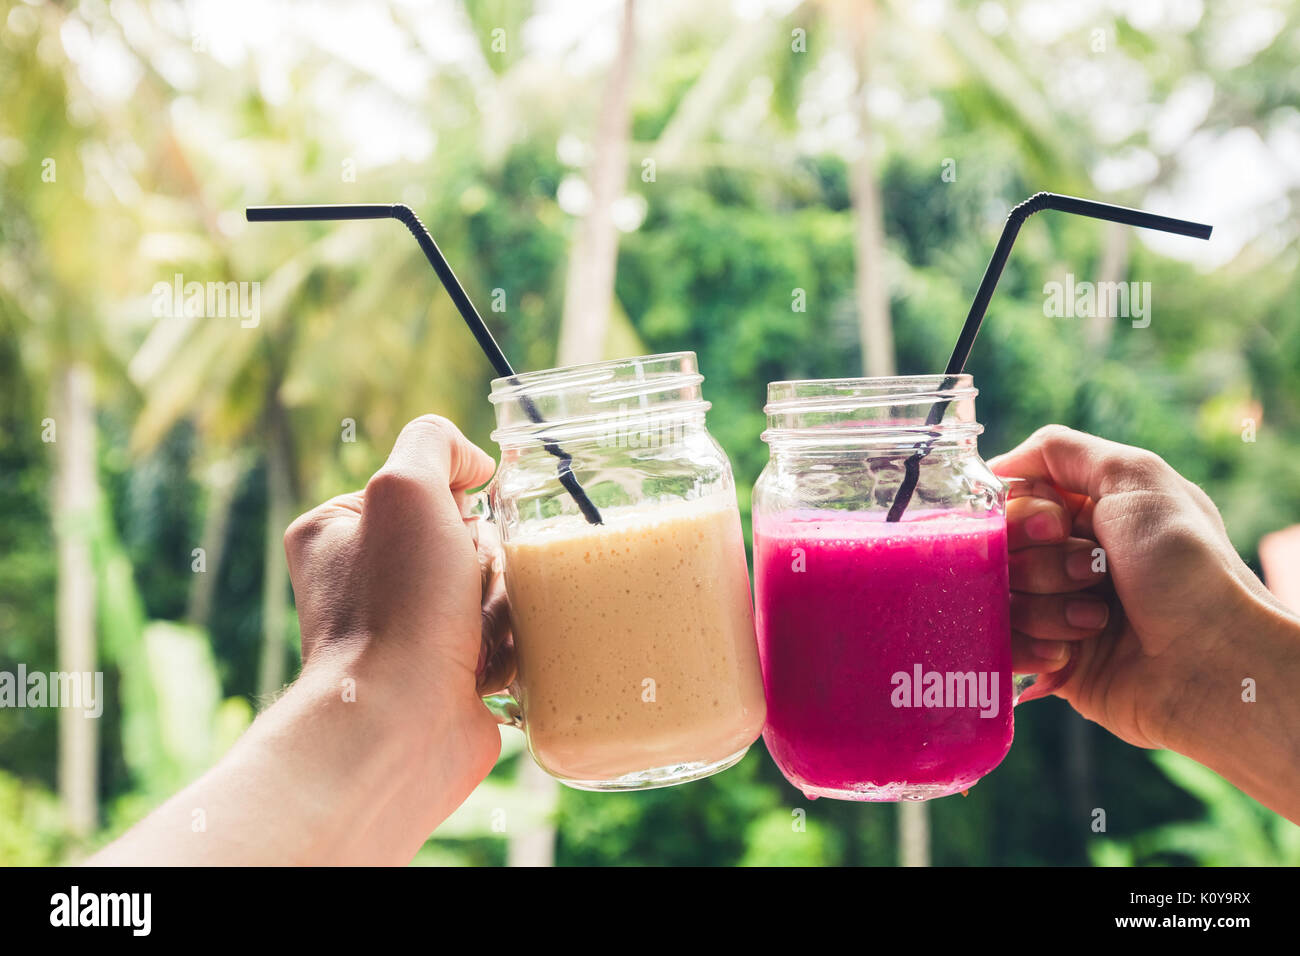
638, 665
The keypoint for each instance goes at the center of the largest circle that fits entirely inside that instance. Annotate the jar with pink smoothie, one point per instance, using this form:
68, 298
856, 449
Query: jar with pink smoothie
885, 644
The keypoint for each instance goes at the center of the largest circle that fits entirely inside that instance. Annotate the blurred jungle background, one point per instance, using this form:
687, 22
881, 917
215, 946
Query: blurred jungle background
791, 189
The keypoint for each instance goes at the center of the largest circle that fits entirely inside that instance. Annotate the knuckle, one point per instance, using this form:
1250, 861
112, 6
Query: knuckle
302, 530
1049, 434
1178, 543
1139, 467
1057, 437
1180, 533
392, 487
1203, 501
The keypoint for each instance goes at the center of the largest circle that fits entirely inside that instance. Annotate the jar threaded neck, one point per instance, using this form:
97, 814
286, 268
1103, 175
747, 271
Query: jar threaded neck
877, 413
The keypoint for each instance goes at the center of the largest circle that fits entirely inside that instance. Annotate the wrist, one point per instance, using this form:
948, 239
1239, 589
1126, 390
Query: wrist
1190, 686
399, 682
403, 751
1235, 712
341, 745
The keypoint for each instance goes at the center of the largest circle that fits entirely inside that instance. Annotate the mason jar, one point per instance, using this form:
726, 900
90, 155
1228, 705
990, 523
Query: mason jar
626, 575
885, 638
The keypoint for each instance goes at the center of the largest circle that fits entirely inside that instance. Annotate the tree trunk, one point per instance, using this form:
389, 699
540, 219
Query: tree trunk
535, 844
588, 296
875, 328
1078, 773
699, 109
1098, 332
222, 482
875, 331
913, 833
589, 284
75, 493
275, 573
1114, 268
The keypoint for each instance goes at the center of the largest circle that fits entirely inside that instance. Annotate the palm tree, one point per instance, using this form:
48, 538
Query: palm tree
276, 387
589, 288
60, 277
76, 495
584, 330
876, 334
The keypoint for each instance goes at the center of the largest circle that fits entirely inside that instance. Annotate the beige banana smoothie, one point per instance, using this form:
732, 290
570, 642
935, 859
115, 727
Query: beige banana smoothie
635, 640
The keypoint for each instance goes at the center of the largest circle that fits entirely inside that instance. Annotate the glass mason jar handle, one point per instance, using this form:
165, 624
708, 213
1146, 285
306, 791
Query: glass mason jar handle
1020, 683
504, 706
1027, 687
505, 709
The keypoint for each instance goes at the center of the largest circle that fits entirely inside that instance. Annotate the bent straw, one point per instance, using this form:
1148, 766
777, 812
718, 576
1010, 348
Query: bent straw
407, 216
961, 351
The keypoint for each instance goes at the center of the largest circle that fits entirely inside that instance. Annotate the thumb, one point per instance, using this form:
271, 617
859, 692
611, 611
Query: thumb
432, 448
1075, 462
430, 463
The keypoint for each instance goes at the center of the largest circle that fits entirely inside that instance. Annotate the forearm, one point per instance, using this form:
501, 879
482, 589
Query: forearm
317, 779
1240, 714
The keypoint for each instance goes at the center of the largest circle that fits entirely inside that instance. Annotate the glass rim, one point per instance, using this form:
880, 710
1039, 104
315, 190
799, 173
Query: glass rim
874, 379
575, 402
821, 411
867, 391
507, 387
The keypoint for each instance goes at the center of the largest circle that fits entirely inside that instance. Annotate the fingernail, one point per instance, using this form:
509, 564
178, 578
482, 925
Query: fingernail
1088, 615
1043, 526
1054, 652
1078, 565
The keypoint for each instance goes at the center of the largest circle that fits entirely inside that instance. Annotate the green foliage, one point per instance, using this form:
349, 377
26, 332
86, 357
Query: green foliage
704, 822
31, 824
27, 559
1234, 830
774, 840
174, 723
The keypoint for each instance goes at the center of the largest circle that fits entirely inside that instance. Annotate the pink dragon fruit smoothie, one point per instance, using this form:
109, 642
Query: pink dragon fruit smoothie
886, 650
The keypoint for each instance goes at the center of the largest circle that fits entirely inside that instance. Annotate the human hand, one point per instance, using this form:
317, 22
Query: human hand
399, 572
383, 734
1130, 641
394, 592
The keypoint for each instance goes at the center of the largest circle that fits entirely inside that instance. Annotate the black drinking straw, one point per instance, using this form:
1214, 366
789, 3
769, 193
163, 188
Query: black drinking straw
406, 216
961, 352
